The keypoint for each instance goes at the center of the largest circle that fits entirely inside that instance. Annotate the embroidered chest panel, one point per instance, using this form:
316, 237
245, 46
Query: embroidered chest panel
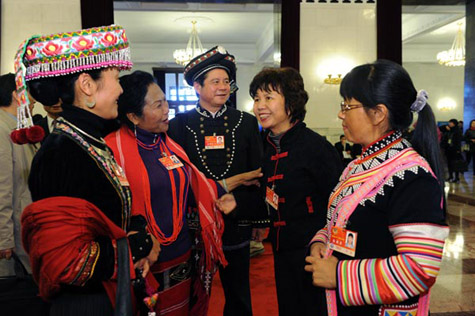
373, 160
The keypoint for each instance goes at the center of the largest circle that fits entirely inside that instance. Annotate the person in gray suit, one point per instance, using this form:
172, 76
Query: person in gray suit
15, 168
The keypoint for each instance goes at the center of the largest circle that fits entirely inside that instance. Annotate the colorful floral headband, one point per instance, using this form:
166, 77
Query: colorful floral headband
63, 54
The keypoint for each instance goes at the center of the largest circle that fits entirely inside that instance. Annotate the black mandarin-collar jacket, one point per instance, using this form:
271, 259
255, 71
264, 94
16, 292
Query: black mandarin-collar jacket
303, 175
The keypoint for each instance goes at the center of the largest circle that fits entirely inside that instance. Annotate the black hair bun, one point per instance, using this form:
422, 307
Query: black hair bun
45, 90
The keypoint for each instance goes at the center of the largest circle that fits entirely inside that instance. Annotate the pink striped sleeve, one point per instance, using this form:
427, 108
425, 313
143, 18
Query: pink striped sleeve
395, 279
320, 236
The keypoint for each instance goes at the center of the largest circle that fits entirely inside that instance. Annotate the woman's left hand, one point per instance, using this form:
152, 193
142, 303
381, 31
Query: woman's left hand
226, 203
155, 252
143, 266
323, 271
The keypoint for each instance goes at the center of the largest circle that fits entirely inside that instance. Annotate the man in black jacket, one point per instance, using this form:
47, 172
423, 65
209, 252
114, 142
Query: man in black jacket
47, 122
344, 150
222, 141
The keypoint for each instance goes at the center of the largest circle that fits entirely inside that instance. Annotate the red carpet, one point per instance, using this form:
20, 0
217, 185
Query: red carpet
264, 300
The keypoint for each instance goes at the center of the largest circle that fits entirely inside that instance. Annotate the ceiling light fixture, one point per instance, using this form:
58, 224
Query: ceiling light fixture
193, 48
455, 56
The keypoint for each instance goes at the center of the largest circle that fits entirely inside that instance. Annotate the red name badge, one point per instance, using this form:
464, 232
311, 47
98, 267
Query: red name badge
119, 172
214, 142
343, 241
171, 162
272, 198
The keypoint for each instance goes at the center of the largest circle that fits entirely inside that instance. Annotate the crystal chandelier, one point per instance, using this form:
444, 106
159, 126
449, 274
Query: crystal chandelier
193, 48
455, 56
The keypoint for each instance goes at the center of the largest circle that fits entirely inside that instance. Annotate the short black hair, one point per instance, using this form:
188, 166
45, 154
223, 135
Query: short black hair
132, 100
341, 136
454, 121
286, 81
7, 86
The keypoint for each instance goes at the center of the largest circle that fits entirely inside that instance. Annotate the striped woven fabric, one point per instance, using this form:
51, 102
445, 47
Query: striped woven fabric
397, 278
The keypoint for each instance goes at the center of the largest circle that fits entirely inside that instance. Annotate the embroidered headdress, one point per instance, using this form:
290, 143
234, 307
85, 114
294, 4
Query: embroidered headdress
216, 57
64, 54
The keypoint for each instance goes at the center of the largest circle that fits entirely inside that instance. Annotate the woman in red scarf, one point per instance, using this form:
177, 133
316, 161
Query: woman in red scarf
165, 187
82, 241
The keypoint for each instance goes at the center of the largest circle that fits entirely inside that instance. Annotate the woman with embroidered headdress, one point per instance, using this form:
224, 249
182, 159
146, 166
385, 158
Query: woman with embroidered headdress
390, 200
163, 179
79, 228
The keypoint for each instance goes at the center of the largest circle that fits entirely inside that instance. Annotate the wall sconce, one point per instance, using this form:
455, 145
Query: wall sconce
333, 80
446, 104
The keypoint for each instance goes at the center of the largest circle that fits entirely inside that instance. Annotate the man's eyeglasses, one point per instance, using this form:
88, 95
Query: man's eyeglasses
346, 107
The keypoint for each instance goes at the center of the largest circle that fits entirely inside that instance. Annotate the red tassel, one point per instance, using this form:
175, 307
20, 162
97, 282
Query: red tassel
35, 134
19, 137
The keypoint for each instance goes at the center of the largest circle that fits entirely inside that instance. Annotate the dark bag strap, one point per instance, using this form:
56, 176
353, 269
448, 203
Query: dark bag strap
123, 300
20, 269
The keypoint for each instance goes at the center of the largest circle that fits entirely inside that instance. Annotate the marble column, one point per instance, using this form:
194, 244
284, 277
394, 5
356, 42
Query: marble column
469, 90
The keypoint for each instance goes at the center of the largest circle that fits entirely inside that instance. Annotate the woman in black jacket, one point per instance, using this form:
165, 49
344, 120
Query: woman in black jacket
300, 170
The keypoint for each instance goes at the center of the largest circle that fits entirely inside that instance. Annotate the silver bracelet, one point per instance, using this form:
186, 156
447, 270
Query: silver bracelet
225, 186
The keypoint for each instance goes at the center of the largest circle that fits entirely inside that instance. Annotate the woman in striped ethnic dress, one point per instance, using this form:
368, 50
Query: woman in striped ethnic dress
390, 201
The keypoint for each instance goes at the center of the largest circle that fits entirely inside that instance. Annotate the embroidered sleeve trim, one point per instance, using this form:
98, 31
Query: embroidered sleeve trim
86, 265
320, 236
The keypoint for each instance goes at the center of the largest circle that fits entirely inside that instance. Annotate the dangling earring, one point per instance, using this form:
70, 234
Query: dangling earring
135, 131
90, 105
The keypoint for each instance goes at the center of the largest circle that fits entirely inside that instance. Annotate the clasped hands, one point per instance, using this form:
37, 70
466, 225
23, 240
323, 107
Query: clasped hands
323, 269
6, 253
145, 263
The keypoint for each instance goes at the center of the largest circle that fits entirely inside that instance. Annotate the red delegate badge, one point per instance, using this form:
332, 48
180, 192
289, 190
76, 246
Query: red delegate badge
343, 241
272, 198
171, 162
214, 142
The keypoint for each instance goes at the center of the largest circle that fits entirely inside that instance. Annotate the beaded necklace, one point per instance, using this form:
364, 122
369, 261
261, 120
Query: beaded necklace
233, 137
105, 161
179, 191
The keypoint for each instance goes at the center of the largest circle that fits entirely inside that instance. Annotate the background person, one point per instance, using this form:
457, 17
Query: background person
375, 199
212, 75
53, 111
300, 169
453, 149
14, 192
344, 150
470, 140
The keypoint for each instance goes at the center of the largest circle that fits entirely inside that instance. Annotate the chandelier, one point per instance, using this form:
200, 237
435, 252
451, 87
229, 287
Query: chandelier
455, 56
193, 48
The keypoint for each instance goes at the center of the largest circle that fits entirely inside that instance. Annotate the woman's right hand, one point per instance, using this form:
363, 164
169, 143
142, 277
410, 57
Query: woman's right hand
251, 177
317, 250
245, 178
6, 253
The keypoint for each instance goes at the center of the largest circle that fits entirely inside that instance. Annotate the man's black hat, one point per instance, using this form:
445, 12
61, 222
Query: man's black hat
216, 57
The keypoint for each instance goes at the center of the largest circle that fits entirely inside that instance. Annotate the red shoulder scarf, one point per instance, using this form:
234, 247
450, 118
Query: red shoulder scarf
124, 145
58, 234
